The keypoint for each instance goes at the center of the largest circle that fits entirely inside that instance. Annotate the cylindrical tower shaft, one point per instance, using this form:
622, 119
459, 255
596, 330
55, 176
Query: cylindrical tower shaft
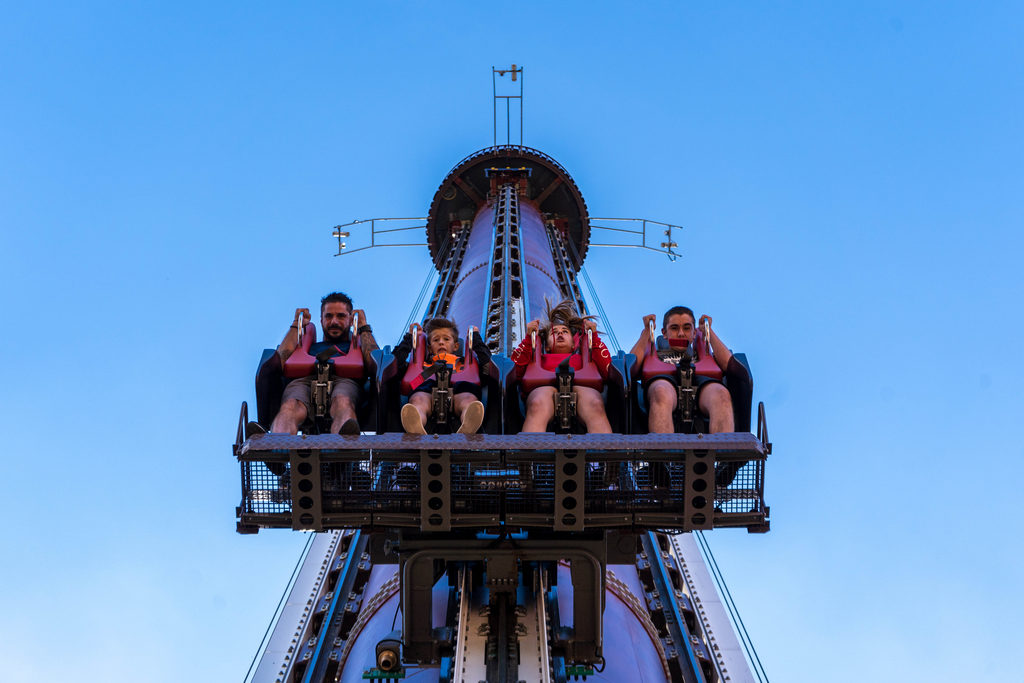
504, 230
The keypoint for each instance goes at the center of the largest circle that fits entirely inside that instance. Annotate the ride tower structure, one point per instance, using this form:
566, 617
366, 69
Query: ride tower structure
502, 556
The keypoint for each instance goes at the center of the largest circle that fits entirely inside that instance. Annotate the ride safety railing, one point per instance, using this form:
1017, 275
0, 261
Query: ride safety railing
636, 233
567, 482
377, 232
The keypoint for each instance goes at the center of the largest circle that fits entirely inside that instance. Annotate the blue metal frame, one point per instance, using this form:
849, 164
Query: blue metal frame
352, 556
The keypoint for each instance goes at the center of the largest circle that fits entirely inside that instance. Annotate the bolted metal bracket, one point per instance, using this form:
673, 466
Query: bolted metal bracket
435, 491
307, 506
699, 487
570, 478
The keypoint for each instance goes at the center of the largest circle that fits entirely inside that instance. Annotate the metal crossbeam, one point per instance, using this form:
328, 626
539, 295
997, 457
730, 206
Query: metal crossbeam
738, 445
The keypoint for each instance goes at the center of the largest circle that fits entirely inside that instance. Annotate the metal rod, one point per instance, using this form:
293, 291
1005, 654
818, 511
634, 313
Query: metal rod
371, 220
414, 227
625, 246
637, 220
602, 227
381, 246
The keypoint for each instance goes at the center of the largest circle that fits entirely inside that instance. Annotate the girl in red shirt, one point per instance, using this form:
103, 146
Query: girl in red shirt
564, 336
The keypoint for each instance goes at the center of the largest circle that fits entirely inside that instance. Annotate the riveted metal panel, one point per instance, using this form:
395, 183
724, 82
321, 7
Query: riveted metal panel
435, 491
307, 507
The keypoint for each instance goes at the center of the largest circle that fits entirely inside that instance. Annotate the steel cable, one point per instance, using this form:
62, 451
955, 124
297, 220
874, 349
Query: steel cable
280, 606
600, 309
593, 295
419, 299
730, 604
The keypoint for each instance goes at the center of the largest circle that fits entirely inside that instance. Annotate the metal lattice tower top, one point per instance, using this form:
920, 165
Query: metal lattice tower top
503, 230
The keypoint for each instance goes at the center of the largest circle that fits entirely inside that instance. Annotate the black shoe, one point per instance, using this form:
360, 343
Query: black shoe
349, 427
726, 472
254, 429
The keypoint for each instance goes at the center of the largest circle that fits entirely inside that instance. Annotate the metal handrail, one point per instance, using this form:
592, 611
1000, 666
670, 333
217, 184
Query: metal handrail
340, 232
667, 247
762, 428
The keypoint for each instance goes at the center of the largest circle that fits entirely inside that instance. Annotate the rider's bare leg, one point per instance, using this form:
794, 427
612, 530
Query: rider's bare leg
289, 417
716, 403
463, 403
420, 400
540, 408
661, 402
590, 409
342, 410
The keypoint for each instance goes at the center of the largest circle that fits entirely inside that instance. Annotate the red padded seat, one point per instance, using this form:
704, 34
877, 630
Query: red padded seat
347, 364
467, 370
704, 364
542, 370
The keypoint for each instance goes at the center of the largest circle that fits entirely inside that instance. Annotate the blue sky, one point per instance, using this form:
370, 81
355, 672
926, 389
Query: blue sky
849, 175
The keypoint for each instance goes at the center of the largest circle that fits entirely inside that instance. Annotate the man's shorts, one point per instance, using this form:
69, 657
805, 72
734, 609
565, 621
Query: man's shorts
301, 389
459, 388
700, 380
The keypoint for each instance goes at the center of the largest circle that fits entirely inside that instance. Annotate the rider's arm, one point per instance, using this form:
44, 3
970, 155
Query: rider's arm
401, 352
643, 343
524, 352
600, 355
722, 353
402, 349
481, 351
367, 342
291, 338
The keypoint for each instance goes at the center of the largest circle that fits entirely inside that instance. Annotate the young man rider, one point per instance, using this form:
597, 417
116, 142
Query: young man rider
713, 398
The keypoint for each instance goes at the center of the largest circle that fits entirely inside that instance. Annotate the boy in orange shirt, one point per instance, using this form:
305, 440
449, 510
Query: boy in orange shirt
442, 343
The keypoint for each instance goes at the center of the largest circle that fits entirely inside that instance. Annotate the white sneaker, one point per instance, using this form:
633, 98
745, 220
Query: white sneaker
473, 419
411, 421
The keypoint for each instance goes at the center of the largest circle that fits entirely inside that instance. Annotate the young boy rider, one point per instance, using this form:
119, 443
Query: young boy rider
561, 336
442, 343
713, 398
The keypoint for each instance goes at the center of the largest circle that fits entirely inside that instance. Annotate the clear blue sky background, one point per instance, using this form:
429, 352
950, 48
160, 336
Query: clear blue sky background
850, 176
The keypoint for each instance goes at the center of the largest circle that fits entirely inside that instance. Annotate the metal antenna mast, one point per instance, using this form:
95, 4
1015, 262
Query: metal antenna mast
516, 75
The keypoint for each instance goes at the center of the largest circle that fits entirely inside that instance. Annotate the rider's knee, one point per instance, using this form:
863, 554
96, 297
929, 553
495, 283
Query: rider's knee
342, 403
588, 400
716, 398
541, 399
662, 395
293, 407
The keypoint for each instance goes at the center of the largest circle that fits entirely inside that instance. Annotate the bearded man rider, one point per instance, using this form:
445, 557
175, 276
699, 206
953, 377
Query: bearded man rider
335, 319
